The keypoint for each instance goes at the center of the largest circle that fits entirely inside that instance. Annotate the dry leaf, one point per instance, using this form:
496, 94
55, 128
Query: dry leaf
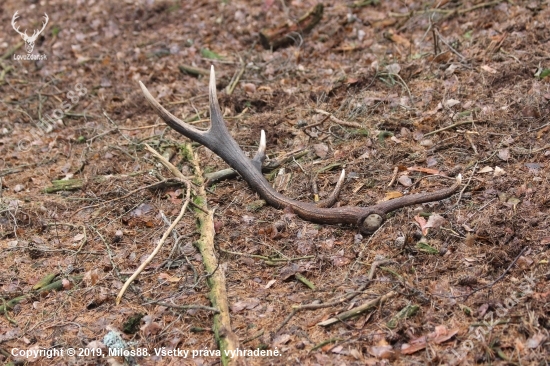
439, 335
281, 339
405, 180
489, 69
90, 278
499, 172
249, 88
150, 327
435, 221
245, 304
67, 285
321, 150
399, 40
486, 169
169, 278
381, 351
422, 223
423, 170
504, 154
392, 194
78, 237
451, 103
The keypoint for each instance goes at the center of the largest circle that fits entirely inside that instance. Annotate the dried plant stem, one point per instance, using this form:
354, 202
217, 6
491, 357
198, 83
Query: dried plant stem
158, 247
448, 127
185, 307
358, 310
339, 121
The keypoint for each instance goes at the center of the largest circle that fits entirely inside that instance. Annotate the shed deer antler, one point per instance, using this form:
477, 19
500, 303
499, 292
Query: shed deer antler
218, 139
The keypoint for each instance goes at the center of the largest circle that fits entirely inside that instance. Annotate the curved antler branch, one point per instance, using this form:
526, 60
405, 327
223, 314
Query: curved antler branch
218, 139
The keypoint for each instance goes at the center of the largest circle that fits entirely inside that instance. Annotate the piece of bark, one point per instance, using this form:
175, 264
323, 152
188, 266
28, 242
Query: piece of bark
281, 35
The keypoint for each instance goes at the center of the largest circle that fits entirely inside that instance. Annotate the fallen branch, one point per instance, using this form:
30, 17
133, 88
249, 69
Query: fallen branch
192, 70
57, 285
449, 127
281, 35
227, 340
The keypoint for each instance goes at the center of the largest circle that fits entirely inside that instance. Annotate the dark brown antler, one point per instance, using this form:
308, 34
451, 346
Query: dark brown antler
218, 139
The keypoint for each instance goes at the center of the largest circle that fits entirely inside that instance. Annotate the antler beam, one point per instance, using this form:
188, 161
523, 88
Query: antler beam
218, 139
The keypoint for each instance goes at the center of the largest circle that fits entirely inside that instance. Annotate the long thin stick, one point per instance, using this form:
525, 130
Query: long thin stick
159, 245
448, 127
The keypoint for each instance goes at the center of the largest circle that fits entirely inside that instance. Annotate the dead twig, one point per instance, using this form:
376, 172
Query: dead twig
338, 121
448, 45
269, 260
465, 186
449, 127
215, 177
498, 278
235, 80
358, 310
282, 35
394, 176
192, 70
185, 307
84, 238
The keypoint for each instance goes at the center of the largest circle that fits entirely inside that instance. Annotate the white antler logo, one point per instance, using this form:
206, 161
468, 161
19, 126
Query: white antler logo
29, 41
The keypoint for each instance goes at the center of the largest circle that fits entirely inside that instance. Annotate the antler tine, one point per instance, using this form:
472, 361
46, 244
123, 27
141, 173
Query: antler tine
260, 154
331, 200
216, 117
173, 121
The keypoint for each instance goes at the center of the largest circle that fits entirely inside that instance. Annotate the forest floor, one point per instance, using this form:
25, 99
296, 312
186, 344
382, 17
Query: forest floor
404, 95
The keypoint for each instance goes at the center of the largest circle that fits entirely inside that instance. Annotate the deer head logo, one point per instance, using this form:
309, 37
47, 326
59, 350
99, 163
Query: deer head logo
29, 40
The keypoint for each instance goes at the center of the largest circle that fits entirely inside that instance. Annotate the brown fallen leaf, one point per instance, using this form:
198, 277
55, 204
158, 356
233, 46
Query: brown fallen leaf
405, 180
169, 278
391, 195
400, 40
422, 223
435, 221
423, 170
245, 304
439, 335
535, 340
